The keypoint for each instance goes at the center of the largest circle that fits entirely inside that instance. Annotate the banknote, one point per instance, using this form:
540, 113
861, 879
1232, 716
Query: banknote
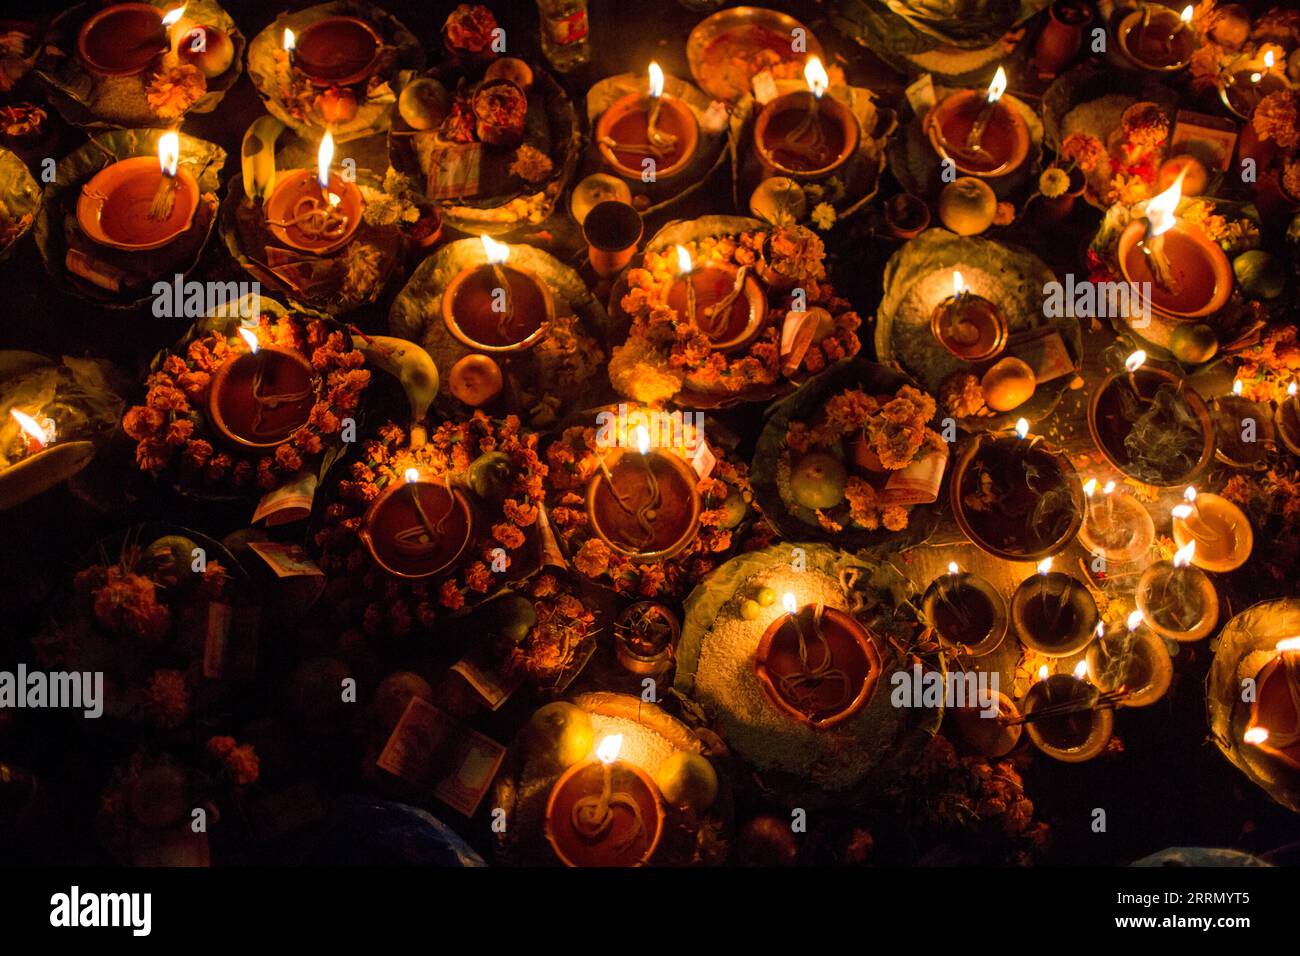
432, 750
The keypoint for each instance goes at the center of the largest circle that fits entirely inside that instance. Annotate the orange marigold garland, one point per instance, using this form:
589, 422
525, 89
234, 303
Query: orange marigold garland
552, 645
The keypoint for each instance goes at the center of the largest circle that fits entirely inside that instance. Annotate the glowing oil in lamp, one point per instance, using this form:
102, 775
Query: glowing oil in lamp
1222, 532
1178, 601
1286, 420
1157, 38
982, 133
1134, 662
260, 397
124, 39
1062, 716
1053, 613
804, 134
1275, 713
1243, 86
1243, 430
315, 211
605, 812
140, 203
334, 51
654, 126
417, 528
967, 612
497, 306
724, 301
1120, 528
645, 504
968, 325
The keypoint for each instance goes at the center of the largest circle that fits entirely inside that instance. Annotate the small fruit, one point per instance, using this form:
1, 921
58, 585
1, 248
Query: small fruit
1008, 384
778, 200
987, 736
423, 103
766, 597
1260, 274
475, 380
337, 105
1231, 26
1194, 344
169, 559
750, 610
687, 779
967, 206
394, 694
734, 509
510, 68
560, 734
207, 48
597, 188
818, 481
515, 617
1195, 179
492, 475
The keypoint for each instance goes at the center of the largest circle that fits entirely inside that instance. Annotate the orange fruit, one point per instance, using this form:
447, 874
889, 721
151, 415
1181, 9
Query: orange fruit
967, 206
475, 380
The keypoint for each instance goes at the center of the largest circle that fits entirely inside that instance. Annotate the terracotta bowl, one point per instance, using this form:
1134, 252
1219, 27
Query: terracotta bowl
122, 39
1071, 738
1109, 425
1152, 598
299, 184
748, 310
678, 517
1006, 137
852, 651
1286, 421
1036, 619
1125, 536
1193, 257
1238, 537
397, 539
1230, 413
113, 208
625, 122
973, 312
233, 412
337, 51
1275, 706
967, 612
586, 779
1163, 23
1142, 665
468, 314
783, 114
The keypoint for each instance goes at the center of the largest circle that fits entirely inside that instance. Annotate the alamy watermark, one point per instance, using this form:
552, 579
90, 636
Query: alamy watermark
930, 688
61, 690
1098, 300
179, 299
656, 428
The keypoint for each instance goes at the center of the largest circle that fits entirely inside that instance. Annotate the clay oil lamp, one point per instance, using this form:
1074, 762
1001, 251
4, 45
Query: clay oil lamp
1118, 528
1015, 497
1286, 420
644, 637
816, 664
804, 134
39, 460
417, 528
612, 230
497, 306
1243, 430
968, 325
140, 203
604, 812
1178, 601
644, 503
125, 38
725, 301
1177, 270
981, 133
335, 51
1245, 83
991, 736
653, 125
260, 397
1063, 716
1157, 39
1053, 613
315, 212
1135, 664
1275, 713
966, 611
1222, 532
1150, 426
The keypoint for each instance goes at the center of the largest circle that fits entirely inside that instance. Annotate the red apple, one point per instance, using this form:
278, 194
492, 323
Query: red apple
207, 48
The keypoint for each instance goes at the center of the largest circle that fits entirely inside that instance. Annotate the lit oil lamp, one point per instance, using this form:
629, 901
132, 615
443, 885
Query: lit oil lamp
1275, 713
804, 134
1222, 532
260, 397
968, 325
966, 611
1053, 613
653, 125
817, 664
1119, 529
497, 306
1133, 663
645, 504
1157, 39
982, 133
605, 812
1063, 716
1178, 270
1243, 430
1244, 84
1178, 601
724, 301
140, 203
314, 211
335, 51
1286, 420
125, 38
38, 461
417, 528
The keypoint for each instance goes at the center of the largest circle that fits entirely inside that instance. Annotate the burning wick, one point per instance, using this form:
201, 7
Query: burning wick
1291, 397
421, 539
684, 267
946, 593
1160, 219
807, 138
592, 816
959, 329
498, 253
320, 218
1184, 19
290, 41
997, 87
169, 154
36, 435
1184, 513
1110, 504
798, 686
660, 143
1288, 650
1131, 365
263, 403
170, 20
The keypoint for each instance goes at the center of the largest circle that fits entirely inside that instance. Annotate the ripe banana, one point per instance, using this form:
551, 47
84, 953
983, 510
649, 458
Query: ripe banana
413, 367
258, 156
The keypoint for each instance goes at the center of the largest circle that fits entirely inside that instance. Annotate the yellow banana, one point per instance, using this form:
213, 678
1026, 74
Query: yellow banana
413, 367
258, 156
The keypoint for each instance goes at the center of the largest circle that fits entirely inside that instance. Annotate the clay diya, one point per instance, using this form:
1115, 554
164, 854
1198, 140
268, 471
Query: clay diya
123, 39
1158, 39
817, 664
1178, 601
1247, 82
1146, 423
968, 325
140, 203
906, 216
644, 637
315, 212
1286, 419
991, 736
1175, 268
417, 528
1053, 613
1243, 430
1221, 530
1076, 730
1134, 662
966, 611
497, 306
42, 462
604, 812
805, 135
1275, 714
259, 398
1119, 528
654, 126
981, 133
644, 503
337, 51
726, 302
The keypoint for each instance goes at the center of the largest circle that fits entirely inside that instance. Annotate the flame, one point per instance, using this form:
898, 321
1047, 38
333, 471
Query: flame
411, 475
1042, 672
324, 156
172, 16
1190, 494
958, 284
814, 75
1101, 629
1256, 77
1022, 428
788, 602
1090, 486
1268, 60
1182, 512
1044, 565
497, 252
31, 427
1290, 389
684, 263
1236, 387
998, 86
249, 336
656, 81
642, 439
1135, 361
1186, 15
1183, 556
1255, 735
169, 152
1110, 486
1160, 210
1081, 670
1289, 645
952, 567
608, 749
1134, 619
290, 41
